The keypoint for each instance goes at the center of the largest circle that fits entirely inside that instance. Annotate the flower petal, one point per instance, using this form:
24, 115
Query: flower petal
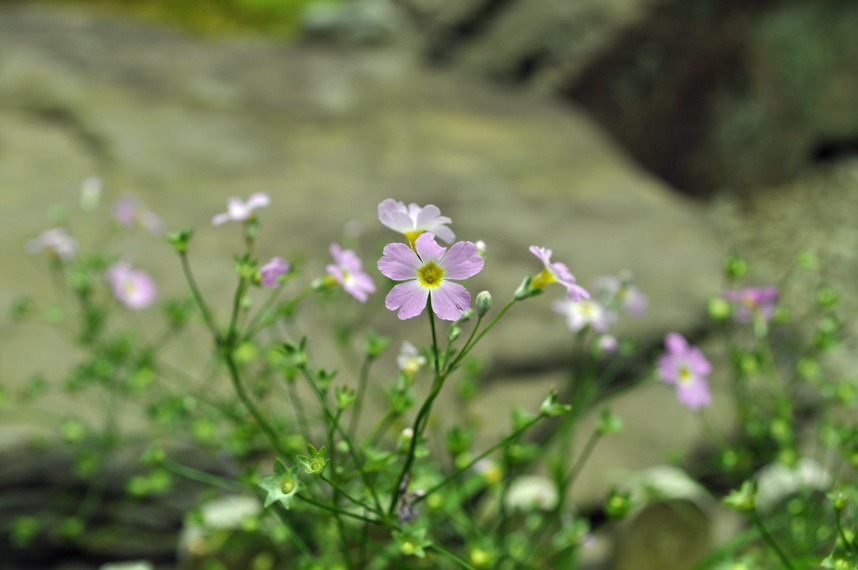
676, 344
428, 249
409, 298
576, 292
399, 263
699, 364
694, 394
258, 200
462, 261
667, 368
221, 219
449, 300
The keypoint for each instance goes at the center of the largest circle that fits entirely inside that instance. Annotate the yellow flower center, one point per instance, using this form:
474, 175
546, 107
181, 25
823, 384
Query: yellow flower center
430, 275
543, 278
412, 236
684, 374
129, 287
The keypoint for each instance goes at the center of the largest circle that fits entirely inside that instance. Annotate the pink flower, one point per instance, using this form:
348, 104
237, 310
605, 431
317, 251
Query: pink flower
414, 220
427, 270
556, 273
239, 211
56, 242
687, 368
580, 314
608, 344
133, 288
752, 302
130, 212
616, 291
347, 269
270, 273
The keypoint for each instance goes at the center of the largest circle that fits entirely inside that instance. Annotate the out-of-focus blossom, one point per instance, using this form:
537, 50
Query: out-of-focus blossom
56, 242
238, 211
685, 367
412, 220
481, 247
619, 292
556, 273
608, 344
490, 470
530, 492
134, 288
130, 212
347, 269
409, 359
90, 193
580, 314
752, 302
427, 271
270, 273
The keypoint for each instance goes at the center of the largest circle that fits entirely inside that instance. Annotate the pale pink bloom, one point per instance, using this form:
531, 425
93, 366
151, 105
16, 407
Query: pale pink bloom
56, 242
556, 273
90, 193
347, 269
752, 302
134, 288
686, 368
427, 271
270, 273
608, 344
409, 359
130, 212
614, 291
412, 220
238, 211
580, 314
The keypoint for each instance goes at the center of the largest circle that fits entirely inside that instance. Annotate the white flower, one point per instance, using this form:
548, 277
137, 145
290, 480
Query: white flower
55, 242
585, 312
412, 220
239, 211
530, 492
409, 359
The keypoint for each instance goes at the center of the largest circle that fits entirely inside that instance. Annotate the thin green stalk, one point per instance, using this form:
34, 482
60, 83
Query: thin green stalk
505, 441
336, 510
250, 330
450, 556
362, 382
345, 541
345, 494
198, 297
203, 477
466, 349
330, 417
770, 540
434, 337
299, 408
582, 459
382, 424
251, 407
842, 534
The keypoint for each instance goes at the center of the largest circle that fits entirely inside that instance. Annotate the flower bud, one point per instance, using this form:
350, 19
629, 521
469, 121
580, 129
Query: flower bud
719, 309
483, 303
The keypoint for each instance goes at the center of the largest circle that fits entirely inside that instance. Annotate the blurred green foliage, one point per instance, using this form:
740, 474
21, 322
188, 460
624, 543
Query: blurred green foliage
217, 17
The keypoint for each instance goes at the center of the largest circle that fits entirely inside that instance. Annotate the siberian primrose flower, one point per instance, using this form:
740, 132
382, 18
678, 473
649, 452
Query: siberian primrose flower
134, 288
686, 368
583, 314
238, 211
412, 220
409, 359
347, 270
427, 271
555, 273
56, 242
271, 272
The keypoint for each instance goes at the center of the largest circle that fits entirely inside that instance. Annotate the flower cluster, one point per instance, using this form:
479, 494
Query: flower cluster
752, 302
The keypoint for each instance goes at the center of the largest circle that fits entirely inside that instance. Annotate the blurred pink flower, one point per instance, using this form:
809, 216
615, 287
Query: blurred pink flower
615, 291
414, 220
56, 242
685, 367
347, 269
752, 302
133, 288
270, 273
427, 271
239, 211
130, 212
556, 273
580, 314
608, 343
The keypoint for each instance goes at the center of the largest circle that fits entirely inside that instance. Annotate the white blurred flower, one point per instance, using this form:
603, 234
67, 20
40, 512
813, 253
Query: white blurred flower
409, 360
530, 492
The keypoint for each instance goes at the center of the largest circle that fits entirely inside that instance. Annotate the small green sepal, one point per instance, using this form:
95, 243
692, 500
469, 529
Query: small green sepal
315, 462
282, 486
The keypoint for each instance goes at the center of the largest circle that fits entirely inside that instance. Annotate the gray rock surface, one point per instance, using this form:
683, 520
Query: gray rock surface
329, 133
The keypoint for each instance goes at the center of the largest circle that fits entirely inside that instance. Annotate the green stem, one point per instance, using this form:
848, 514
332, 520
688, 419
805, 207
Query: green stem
346, 495
450, 556
251, 407
582, 459
198, 297
505, 441
770, 540
331, 418
296, 538
842, 534
203, 477
362, 382
336, 510
467, 348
